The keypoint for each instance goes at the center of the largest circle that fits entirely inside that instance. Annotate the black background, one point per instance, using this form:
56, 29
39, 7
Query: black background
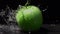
49, 17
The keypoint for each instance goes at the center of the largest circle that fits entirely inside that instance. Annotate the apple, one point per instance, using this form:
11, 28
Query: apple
29, 18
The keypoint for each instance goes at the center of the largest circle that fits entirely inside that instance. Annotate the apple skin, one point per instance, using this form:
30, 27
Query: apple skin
29, 18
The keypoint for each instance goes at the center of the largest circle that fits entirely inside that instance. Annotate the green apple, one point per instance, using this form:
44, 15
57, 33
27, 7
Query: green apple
29, 18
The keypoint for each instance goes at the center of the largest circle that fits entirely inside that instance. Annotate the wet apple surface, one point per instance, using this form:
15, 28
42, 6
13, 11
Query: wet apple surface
29, 18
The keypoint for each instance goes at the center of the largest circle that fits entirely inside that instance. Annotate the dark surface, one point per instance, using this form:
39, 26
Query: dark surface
45, 29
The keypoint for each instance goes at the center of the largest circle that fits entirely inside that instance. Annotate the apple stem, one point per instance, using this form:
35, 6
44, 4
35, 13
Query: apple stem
28, 2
